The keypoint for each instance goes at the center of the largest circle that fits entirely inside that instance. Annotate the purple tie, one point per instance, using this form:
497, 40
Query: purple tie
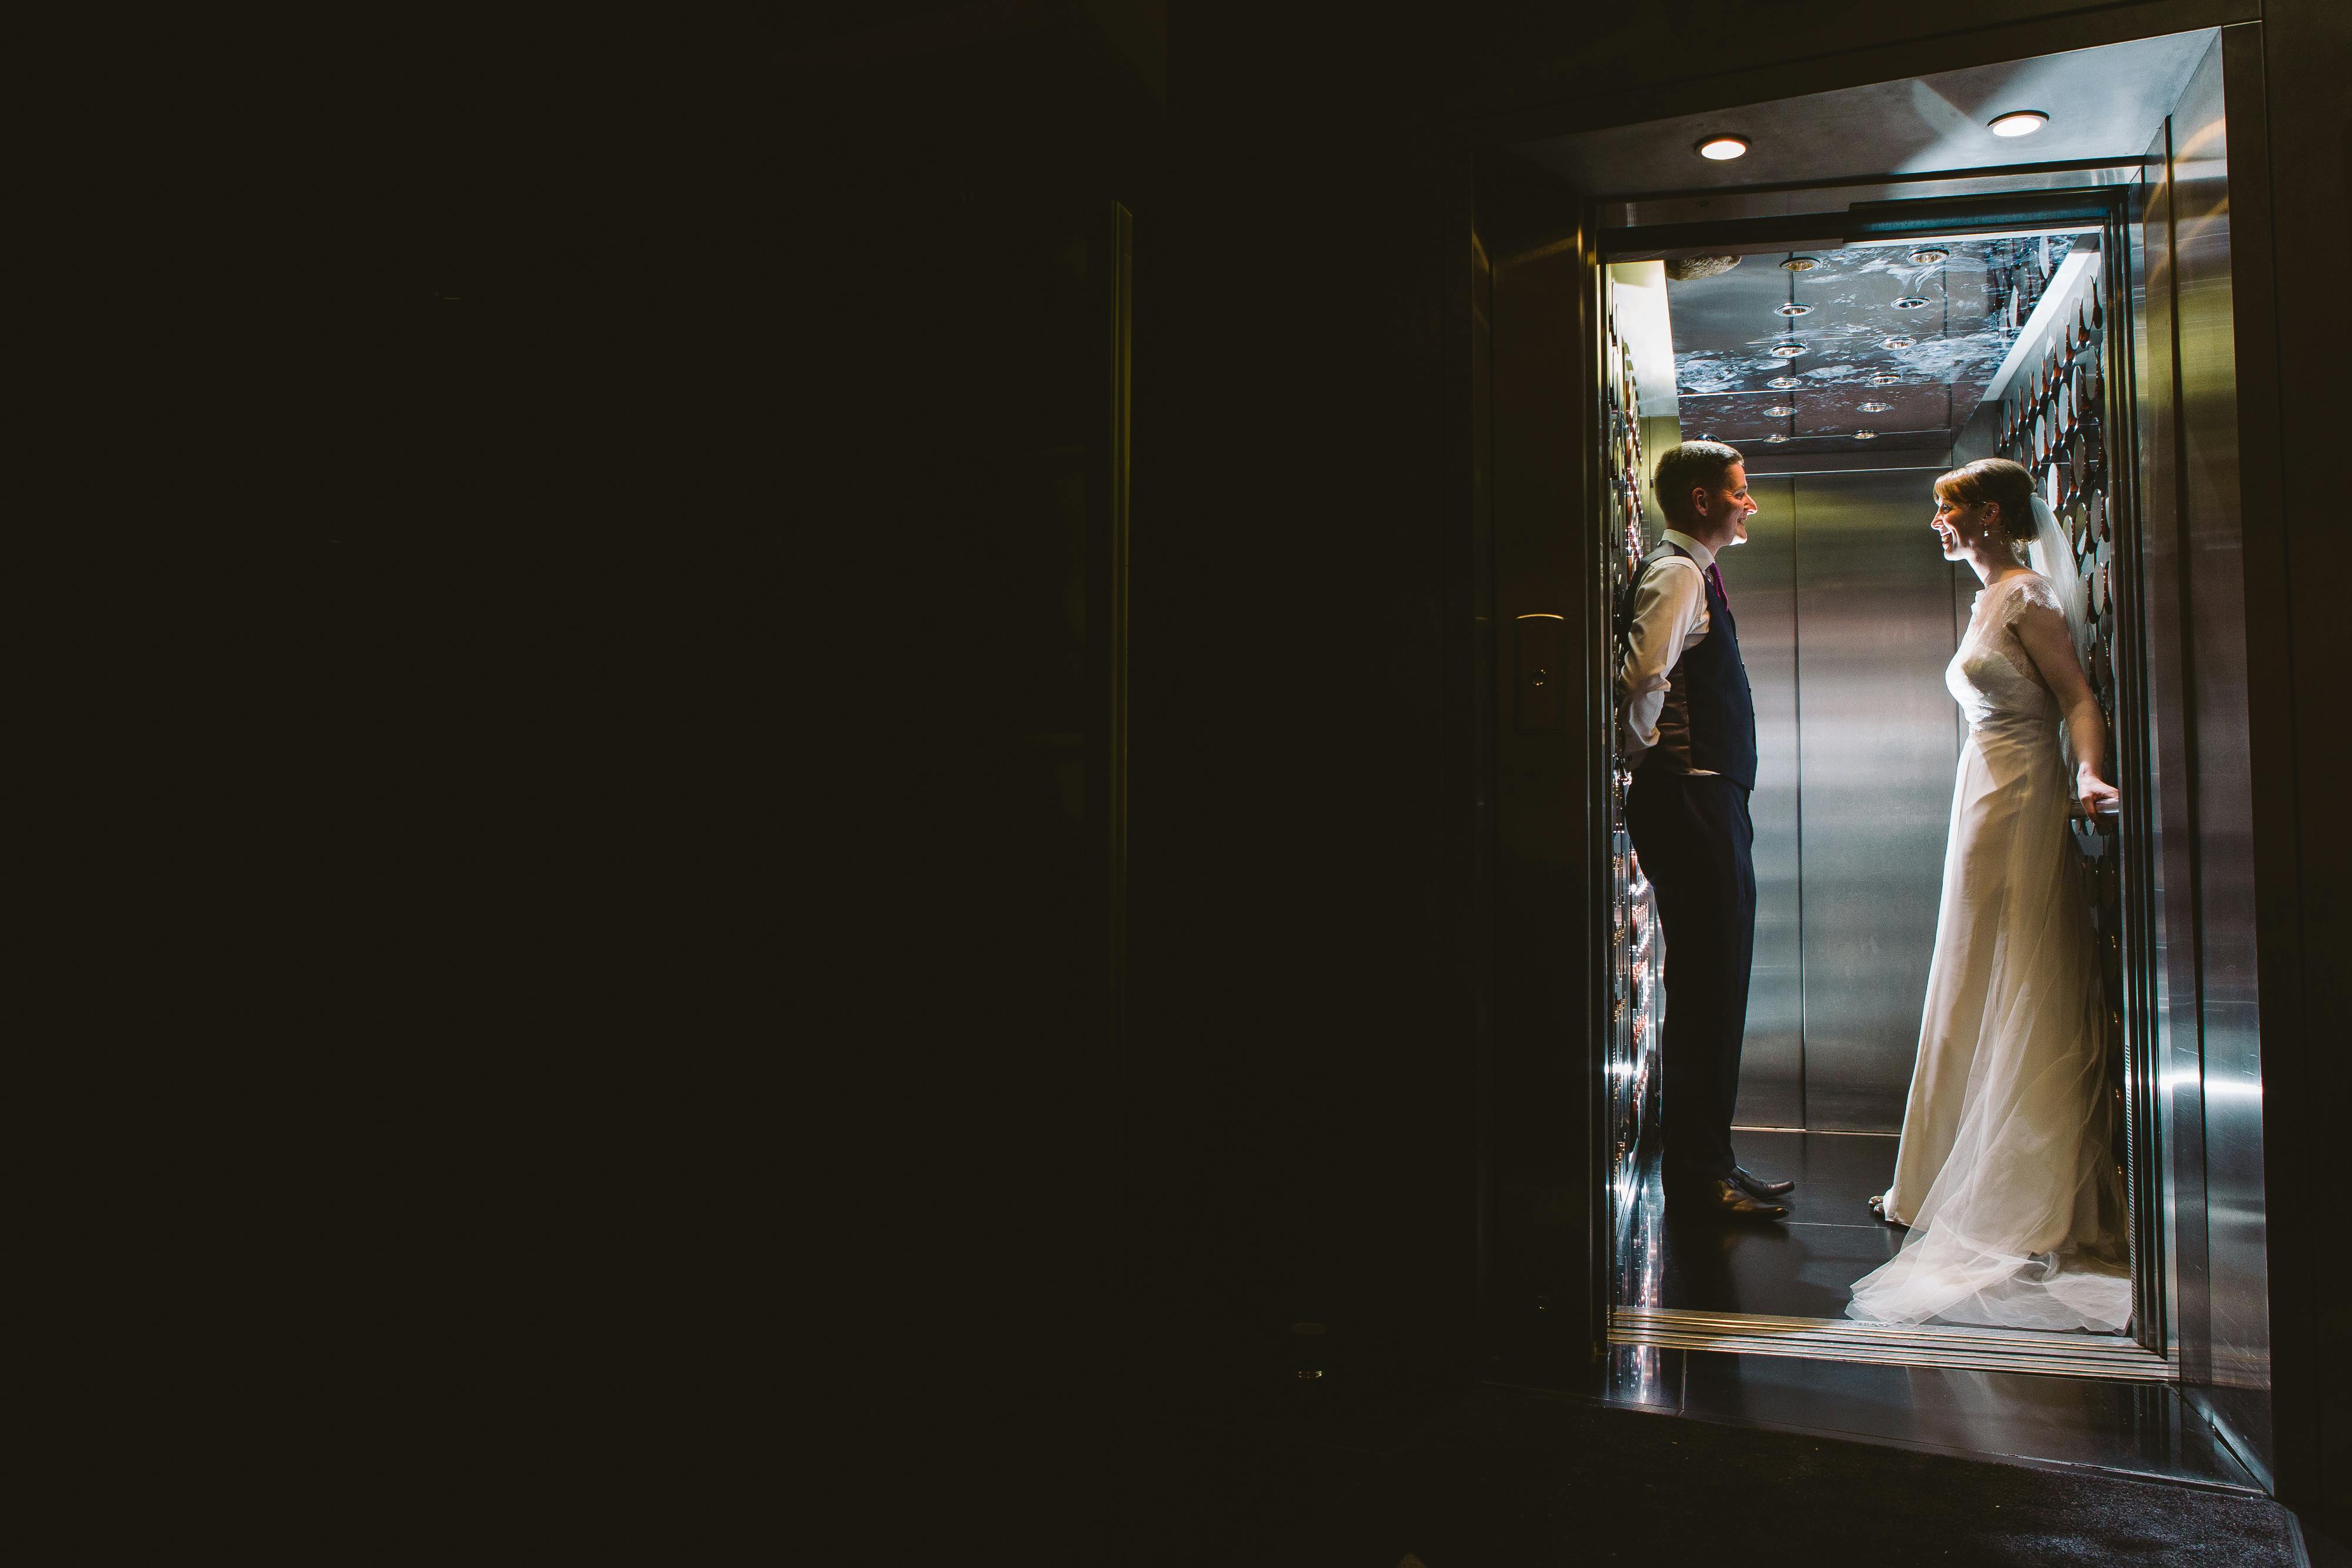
1715, 578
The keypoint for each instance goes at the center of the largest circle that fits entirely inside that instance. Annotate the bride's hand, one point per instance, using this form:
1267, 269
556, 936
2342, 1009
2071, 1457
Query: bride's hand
2094, 794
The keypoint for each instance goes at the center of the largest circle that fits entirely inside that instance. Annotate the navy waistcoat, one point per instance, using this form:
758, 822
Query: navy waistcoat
1709, 721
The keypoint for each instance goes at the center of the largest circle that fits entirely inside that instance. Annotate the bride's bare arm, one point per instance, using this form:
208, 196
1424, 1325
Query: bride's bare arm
2043, 632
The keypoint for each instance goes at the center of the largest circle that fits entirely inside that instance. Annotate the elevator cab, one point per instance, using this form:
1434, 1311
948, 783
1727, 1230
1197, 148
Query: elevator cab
1893, 287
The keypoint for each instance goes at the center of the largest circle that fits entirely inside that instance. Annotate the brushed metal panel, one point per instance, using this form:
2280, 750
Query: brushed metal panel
2214, 566
2172, 898
1760, 577
1876, 751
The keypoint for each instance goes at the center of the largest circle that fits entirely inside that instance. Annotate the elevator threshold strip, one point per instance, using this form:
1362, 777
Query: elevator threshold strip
2107, 1356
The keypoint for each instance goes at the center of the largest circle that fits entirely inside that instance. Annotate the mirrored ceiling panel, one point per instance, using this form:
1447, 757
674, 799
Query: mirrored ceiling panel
1871, 347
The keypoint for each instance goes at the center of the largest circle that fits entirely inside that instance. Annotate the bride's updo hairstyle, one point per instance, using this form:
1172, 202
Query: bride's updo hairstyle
1995, 479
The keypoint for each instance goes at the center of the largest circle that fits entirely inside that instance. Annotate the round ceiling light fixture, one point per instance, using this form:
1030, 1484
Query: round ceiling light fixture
1912, 302
1789, 351
1929, 254
1779, 412
1793, 308
1723, 148
1900, 342
1798, 264
1877, 407
2023, 122
1865, 436
1782, 383
1774, 439
1884, 379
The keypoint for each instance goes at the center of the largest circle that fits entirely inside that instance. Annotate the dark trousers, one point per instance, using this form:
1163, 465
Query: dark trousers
1696, 846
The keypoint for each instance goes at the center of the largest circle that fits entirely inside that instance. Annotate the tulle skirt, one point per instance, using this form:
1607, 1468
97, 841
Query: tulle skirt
2004, 1174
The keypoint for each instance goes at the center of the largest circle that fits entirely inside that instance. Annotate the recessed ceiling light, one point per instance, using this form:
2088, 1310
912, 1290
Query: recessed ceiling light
1911, 302
1884, 379
1798, 264
1721, 148
2024, 122
1793, 308
1877, 407
1779, 412
1929, 254
1774, 439
1900, 342
1782, 383
1789, 351
1865, 436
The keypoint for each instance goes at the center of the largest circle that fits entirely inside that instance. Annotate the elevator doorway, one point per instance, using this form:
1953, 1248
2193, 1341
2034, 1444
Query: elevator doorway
1850, 377
1858, 615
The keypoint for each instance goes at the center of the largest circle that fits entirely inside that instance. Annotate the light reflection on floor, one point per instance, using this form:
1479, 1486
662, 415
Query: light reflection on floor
2143, 1429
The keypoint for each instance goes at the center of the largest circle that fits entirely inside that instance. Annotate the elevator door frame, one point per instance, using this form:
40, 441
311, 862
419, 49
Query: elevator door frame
1529, 362
2111, 208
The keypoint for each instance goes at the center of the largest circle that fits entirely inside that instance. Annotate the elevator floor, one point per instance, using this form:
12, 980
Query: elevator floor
2139, 1429
1807, 1267
1804, 1269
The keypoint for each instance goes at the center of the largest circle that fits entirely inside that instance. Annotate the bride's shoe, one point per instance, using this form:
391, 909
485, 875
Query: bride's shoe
1878, 1208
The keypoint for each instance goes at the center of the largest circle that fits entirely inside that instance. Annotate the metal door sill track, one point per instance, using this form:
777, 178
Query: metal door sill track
2111, 1358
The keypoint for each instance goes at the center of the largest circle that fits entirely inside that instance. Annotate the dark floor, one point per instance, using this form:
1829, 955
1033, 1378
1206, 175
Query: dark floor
1507, 1477
1803, 1269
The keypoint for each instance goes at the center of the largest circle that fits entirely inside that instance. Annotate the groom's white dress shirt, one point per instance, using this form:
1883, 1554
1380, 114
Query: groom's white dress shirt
1669, 619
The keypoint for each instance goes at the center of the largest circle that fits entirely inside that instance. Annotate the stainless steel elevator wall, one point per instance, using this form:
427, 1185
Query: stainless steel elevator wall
2213, 604
1762, 574
2172, 893
1847, 617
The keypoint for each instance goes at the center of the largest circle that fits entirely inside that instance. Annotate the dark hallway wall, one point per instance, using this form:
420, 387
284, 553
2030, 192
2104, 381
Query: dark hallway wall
1305, 936
683, 629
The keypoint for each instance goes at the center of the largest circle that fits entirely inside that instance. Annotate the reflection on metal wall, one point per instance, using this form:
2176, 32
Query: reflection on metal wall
2056, 423
1852, 609
2172, 895
2212, 555
1763, 574
1877, 750
1636, 938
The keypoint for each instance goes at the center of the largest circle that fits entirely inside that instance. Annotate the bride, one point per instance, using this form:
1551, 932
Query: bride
2003, 1173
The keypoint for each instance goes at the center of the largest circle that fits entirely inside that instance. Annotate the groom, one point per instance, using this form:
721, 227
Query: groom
1690, 732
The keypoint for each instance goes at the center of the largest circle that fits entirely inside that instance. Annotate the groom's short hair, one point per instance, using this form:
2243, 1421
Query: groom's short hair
1692, 465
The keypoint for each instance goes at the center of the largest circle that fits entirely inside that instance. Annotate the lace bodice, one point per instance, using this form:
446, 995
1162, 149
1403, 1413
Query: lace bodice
2012, 716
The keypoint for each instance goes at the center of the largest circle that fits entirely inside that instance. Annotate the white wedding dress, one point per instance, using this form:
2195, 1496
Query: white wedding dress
2004, 1174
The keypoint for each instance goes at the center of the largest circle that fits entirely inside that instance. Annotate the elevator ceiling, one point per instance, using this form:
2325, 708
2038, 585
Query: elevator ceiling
2103, 102
1895, 352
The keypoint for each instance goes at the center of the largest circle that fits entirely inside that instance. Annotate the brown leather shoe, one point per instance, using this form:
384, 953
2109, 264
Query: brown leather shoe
1755, 1185
1724, 1200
